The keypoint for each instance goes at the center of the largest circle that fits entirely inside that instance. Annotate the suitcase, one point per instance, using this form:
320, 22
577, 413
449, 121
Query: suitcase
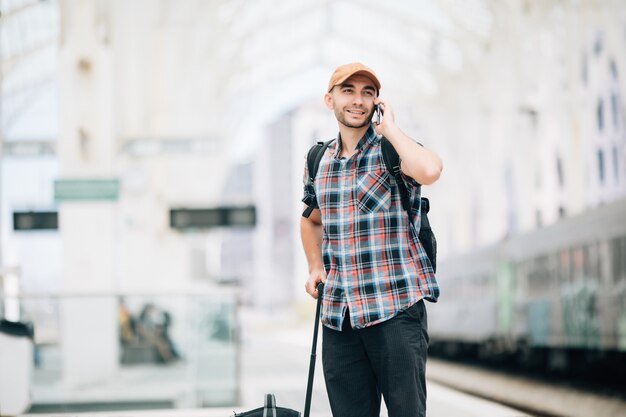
269, 408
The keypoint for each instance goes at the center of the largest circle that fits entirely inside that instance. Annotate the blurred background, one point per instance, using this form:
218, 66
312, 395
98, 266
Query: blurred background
151, 166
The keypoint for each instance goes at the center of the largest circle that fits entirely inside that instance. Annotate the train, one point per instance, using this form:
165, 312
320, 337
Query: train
554, 298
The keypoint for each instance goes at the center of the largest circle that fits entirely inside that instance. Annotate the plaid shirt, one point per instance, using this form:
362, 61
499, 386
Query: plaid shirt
374, 262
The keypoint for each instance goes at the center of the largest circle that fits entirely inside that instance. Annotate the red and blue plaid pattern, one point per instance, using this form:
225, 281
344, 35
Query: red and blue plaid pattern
375, 263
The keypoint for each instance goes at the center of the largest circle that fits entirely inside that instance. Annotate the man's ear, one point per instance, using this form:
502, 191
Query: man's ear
328, 100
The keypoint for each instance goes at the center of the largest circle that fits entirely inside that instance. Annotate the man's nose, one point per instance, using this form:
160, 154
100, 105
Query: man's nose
358, 99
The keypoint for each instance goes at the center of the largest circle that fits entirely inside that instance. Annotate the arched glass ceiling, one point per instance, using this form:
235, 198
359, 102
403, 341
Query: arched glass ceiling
275, 54
28, 34
268, 40
262, 56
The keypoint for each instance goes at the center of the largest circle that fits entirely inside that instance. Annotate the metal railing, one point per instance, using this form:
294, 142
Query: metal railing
132, 351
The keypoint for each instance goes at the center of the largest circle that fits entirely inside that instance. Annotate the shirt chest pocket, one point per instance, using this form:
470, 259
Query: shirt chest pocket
373, 191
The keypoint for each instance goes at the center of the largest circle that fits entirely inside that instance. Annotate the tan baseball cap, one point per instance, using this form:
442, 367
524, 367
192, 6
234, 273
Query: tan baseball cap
346, 71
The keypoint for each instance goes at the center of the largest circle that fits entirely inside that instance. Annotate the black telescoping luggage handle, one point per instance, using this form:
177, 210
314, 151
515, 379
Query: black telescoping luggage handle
309, 387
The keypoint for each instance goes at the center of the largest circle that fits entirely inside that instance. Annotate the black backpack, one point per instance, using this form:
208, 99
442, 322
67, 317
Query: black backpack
392, 163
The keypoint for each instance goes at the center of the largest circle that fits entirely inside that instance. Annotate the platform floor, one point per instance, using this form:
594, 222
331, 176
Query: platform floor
276, 360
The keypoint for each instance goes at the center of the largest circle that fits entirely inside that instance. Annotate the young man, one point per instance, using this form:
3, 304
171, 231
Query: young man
364, 246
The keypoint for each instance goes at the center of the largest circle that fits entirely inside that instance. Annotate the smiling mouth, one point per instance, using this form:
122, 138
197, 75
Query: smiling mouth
356, 112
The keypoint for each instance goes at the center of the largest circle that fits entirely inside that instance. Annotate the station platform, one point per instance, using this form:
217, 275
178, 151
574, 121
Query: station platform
442, 402
275, 359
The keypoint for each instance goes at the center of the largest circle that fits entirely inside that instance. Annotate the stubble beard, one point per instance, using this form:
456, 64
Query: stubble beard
341, 119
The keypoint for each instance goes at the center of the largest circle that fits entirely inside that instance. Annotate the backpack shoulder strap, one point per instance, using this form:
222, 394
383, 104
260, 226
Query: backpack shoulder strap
392, 162
425, 234
313, 159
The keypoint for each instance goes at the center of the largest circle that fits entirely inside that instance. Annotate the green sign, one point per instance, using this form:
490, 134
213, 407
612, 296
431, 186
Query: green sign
86, 190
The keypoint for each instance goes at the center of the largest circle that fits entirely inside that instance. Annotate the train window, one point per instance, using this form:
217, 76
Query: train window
615, 163
604, 262
585, 263
600, 257
577, 265
553, 271
614, 248
618, 255
520, 275
591, 263
564, 266
622, 256
539, 273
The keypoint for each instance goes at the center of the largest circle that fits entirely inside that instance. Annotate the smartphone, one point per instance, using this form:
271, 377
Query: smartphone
378, 114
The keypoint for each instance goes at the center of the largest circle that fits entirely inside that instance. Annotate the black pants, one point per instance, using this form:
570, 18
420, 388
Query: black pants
388, 358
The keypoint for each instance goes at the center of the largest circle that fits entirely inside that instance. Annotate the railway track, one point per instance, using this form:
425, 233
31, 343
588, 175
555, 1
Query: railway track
533, 395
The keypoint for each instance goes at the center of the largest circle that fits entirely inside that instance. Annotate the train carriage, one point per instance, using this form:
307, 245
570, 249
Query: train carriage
560, 290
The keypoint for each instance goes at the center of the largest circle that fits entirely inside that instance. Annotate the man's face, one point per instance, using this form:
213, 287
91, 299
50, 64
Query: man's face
353, 101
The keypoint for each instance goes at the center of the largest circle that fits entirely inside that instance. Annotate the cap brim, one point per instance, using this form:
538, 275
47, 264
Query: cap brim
365, 73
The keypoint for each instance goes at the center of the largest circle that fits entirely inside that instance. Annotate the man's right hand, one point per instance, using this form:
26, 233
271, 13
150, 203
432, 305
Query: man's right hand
315, 277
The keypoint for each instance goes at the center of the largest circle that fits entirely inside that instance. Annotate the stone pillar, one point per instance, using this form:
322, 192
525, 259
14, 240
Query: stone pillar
89, 340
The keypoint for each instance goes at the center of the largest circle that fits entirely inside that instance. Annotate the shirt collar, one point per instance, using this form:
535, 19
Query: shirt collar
368, 138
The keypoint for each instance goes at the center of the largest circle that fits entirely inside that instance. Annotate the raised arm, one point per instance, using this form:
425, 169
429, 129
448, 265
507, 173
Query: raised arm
419, 163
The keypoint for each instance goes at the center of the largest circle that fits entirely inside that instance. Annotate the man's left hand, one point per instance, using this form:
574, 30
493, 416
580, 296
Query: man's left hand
388, 123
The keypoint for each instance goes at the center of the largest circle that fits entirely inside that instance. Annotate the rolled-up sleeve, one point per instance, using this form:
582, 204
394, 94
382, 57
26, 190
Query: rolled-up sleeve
409, 181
